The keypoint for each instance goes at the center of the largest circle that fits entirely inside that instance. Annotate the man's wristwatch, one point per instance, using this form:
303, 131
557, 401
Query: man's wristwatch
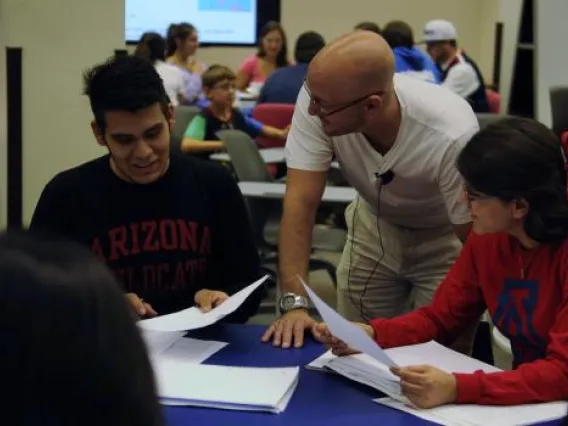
291, 301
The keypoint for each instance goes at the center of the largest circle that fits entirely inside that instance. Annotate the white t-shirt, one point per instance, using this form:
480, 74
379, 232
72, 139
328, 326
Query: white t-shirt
461, 78
173, 80
427, 189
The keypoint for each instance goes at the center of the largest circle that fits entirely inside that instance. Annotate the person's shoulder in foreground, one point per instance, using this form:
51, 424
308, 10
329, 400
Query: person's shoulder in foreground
68, 324
516, 268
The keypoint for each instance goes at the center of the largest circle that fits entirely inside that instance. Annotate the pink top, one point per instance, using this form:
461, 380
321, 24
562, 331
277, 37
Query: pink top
251, 67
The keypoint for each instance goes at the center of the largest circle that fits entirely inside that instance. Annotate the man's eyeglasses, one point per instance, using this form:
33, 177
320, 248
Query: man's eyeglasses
325, 112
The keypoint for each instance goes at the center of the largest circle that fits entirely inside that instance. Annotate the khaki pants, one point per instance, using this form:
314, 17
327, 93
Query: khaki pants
413, 262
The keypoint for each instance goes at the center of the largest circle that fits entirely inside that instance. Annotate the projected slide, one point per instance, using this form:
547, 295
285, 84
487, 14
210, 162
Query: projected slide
225, 5
217, 21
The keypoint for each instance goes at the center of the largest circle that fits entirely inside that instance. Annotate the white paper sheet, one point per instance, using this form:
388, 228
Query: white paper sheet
193, 318
158, 341
235, 388
483, 415
348, 332
320, 363
192, 351
363, 369
436, 355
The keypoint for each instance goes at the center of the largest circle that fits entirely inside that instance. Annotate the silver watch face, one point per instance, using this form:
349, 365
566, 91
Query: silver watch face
288, 302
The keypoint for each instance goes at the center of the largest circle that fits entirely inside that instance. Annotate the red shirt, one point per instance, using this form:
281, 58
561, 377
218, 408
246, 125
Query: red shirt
526, 293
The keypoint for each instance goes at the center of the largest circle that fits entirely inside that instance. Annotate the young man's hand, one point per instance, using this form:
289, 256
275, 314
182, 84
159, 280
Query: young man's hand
141, 308
208, 299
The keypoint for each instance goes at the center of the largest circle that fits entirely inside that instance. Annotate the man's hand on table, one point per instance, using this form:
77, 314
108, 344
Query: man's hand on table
289, 329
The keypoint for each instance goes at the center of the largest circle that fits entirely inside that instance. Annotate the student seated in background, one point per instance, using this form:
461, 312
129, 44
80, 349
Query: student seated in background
152, 46
459, 72
409, 59
515, 265
174, 229
73, 354
272, 54
284, 84
219, 86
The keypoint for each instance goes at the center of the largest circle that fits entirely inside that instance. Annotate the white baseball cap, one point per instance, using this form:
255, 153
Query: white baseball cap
439, 30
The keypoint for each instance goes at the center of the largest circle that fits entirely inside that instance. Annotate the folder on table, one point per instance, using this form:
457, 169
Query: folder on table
231, 388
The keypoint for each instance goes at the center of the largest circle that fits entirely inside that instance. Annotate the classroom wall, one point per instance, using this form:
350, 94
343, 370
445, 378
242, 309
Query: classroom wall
67, 37
3, 136
474, 20
551, 63
508, 12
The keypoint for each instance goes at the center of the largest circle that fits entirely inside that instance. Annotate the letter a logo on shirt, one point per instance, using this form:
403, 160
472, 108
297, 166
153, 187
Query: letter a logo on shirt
514, 317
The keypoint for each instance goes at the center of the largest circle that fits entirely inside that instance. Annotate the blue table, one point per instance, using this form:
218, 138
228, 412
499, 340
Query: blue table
320, 398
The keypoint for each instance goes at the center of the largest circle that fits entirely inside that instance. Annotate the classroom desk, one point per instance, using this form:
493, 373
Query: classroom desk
275, 190
269, 155
320, 398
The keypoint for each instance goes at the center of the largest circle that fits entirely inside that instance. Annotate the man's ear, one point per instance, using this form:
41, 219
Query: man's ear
520, 208
99, 135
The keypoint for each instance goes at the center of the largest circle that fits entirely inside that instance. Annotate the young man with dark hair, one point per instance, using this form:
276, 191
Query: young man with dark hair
173, 229
284, 84
459, 72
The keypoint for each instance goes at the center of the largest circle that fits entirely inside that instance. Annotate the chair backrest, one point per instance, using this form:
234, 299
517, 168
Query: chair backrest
559, 109
275, 115
249, 166
183, 115
246, 159
494, 101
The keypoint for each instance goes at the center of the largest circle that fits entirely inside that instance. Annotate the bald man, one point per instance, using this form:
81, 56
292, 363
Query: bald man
396, 140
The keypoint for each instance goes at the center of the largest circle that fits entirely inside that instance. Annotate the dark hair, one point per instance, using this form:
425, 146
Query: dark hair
308, 45
126, 83
152, 46
216, 73
519, 158
398, 34
177, 32
73, 354
282, 57
368, 26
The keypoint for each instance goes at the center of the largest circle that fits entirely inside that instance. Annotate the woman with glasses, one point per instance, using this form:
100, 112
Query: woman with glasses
515, 265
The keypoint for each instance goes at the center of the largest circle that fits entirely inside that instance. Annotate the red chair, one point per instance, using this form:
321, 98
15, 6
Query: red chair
494, 101
275, 115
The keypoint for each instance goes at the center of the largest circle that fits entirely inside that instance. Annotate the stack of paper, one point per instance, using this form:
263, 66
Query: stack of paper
233, 388
371, 367
193, 318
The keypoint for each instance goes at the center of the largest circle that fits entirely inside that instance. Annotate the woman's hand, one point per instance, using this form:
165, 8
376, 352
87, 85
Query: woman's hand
426, 386
323, 335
